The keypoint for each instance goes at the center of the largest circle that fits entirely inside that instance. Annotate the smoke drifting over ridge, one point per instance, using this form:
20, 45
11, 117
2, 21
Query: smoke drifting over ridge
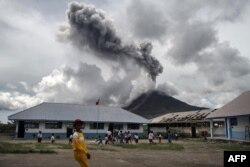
89, 27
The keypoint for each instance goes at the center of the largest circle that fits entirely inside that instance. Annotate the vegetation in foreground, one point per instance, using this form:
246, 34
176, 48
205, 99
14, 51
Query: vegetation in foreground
196, 145
233, 147
21, 148
188, 145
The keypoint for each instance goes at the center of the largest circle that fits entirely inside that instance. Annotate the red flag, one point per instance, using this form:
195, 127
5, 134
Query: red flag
97, 102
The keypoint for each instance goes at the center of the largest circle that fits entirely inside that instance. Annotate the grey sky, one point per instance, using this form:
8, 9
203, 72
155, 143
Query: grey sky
202, 46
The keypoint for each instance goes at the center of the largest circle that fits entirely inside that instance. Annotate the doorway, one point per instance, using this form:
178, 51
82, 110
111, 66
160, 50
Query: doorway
69, 131
193, 130
111, 127
21, 129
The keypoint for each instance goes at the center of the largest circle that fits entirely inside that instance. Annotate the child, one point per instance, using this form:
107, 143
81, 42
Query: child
169, 137
126, 137
106, 139
39, 137
81, 154
100, 140
136, 138
121, 137
70, 139
129, 137
160, 137
52, 138
151, 137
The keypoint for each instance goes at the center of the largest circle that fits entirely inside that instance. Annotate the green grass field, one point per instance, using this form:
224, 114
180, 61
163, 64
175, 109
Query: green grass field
190, 145
22, 148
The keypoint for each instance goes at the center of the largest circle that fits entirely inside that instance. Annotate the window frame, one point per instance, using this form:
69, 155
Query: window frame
118, 126
133, 126
27, 123
53, 125
234, 121
93, 125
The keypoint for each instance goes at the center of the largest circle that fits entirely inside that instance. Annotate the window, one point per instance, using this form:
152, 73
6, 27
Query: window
133, 126
53, 125
206, 124
233, 121
31, 125
118, 126
94, 125
183, 124
69, 125
198, 124
218, 124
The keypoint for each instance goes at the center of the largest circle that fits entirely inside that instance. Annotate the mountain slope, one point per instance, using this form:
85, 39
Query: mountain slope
155, 103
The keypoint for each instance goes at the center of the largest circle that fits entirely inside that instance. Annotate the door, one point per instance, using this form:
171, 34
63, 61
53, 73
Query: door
69, 131
193, 129
111, 127
20, 133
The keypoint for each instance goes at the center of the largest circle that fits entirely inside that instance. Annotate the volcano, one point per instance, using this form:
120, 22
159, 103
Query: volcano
155, 103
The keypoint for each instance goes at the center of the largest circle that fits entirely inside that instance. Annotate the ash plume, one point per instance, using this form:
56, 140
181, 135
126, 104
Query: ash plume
89, 27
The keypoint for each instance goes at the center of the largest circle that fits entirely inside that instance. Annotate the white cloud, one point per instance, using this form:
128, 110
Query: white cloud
28, 46
17, 101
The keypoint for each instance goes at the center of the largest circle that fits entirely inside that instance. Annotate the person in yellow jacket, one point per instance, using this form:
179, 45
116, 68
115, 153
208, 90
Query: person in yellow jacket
81, 154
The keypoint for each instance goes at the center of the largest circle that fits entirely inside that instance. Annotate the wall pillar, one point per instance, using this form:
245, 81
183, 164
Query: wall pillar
229, 130
16, 132
211, 129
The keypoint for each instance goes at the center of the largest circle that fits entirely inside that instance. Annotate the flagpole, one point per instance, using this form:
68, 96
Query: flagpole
98, 113
97, 119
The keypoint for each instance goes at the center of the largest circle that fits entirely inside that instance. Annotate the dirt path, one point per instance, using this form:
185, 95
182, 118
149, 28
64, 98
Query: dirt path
124, 158
195, 154
111, 159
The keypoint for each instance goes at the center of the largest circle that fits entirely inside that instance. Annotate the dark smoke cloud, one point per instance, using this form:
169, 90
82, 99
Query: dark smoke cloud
90, 28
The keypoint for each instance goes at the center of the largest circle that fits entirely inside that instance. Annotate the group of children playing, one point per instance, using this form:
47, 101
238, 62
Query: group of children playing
151, 137
40, 137
120, 137
81, 154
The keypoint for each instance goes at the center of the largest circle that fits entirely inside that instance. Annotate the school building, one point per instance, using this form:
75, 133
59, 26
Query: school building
236, 115
58, 118
187, 123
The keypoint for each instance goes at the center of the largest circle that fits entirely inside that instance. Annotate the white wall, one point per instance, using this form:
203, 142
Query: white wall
42, 128
219, 131
85, 130
158, 129
88, 130
140, 130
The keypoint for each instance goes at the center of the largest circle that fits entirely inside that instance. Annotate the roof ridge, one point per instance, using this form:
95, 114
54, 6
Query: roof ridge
61, 103
84, 105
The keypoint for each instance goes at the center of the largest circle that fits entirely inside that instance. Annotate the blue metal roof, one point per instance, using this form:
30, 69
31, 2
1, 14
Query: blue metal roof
71, 112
